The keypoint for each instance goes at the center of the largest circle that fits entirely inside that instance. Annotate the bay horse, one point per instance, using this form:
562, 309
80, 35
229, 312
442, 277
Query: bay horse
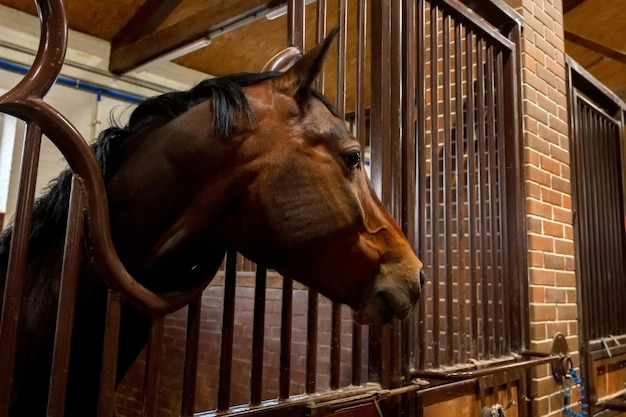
256, 162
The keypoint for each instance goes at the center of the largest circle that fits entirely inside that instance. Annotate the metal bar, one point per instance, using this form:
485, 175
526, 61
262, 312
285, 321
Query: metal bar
311, 342
109, 355
492, 192
335, 346
477, 373
461, 191
340, 104
320, 34
361, 58
434, 179
504, 228
151, 378
228, 323
409, 165
295, 27
17, 262
342, 41
285, 339
380, 156
470, 108
447, 194
194, 318
482, 200
67, 302
395, 178
258, 336
357, 355
420, 227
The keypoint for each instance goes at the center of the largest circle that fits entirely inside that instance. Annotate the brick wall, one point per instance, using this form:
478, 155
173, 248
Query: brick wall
552, 291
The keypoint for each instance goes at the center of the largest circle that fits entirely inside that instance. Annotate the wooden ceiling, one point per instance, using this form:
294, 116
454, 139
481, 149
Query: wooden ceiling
242, 39
595, 36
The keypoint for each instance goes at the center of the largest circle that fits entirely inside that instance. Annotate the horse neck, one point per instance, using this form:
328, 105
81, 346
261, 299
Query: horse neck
172, 188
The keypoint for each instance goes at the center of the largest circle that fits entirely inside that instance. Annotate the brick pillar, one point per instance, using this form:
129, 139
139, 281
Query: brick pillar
552, 281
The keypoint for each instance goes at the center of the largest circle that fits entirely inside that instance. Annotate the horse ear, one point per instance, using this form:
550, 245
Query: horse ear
305, 69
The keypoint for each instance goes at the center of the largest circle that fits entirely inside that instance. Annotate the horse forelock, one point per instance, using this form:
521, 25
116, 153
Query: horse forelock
229, 103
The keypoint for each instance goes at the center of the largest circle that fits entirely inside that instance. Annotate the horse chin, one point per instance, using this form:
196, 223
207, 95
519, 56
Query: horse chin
382, 307
394, 295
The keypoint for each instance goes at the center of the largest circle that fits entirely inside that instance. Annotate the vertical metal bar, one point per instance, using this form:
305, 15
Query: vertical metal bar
190, 371
459, 186
447, 193
285, 339
342, 45
17, 263
471, 185
320, 33
228, 323
421, 230
502, 217
335, 346
151, 378
311, 344
598, 169
593, 221
361, 54
67, 302
434, 178
295, 27
482, 199
394, 140
109, 355
312, 306
380, 168
258, 336
361, 133
588, 199
409, 149
340, 104
495, 346
395, 178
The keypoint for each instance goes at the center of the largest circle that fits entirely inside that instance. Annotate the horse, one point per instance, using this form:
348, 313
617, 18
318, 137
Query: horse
255, 162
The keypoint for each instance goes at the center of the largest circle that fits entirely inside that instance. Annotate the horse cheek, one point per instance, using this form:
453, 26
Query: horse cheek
307, 212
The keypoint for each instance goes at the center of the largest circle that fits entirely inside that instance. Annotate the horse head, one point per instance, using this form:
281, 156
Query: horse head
308, 208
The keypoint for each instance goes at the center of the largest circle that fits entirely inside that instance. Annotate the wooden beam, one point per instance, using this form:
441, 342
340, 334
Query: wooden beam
592, 45
145, 21
207, 23
570, 4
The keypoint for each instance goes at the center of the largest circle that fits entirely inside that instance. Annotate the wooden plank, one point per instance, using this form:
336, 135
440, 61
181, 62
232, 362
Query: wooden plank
205, 24
145, 21
570, 4
592, 45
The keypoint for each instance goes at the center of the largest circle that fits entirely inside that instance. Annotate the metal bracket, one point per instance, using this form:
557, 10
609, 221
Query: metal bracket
562, 367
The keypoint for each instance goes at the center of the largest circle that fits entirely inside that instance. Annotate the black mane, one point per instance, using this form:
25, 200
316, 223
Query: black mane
228, 102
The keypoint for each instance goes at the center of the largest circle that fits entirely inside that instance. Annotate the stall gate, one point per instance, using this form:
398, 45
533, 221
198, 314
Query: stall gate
432, 90
597, 120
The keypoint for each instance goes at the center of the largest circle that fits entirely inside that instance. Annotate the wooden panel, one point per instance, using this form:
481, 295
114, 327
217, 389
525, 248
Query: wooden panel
470, 405
610, 376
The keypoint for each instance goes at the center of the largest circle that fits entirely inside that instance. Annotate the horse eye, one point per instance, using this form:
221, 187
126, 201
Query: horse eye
353, 159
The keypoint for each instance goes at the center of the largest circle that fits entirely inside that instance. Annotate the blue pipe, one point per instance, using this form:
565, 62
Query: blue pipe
82, 85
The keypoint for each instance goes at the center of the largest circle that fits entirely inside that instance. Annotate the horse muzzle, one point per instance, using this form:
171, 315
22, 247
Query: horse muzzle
395, 294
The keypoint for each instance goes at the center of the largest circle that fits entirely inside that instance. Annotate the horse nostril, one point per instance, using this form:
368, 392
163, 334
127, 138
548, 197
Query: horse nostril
422, 278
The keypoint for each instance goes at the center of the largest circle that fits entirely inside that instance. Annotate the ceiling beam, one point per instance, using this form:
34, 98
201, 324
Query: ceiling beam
145, 21
205, 24
570, 4
594, 46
